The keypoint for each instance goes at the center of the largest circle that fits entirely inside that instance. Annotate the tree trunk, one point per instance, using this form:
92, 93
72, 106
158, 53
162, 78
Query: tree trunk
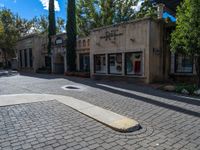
71, 36
197, 65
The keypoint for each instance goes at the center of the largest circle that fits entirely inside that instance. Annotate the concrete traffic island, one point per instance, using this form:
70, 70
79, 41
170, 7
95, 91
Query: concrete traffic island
113, 120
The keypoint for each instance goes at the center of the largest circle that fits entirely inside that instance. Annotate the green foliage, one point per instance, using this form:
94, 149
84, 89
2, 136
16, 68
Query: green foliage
9, 33
147, 10
24, 26
71, 35
190, 88
60, 25
97, 13
124, 10
186, 38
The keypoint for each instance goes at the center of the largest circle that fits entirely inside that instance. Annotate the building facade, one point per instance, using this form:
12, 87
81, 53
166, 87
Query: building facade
137, 50
32, 52
131, 50
59, 55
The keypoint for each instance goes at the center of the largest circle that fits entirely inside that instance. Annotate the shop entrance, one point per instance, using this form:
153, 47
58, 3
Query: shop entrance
85, 62
59, 64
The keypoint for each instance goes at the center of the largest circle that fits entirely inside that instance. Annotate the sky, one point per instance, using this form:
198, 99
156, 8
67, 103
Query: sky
31, 8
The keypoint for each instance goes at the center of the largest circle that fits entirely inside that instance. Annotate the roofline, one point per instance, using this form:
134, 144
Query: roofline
122, 23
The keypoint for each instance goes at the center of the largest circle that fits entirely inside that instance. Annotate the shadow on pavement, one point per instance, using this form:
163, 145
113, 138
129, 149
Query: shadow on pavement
132, 87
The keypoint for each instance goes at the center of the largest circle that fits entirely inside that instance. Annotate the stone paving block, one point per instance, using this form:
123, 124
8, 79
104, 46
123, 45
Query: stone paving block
168, 126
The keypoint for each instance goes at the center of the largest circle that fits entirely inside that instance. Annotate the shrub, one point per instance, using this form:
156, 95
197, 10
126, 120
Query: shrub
189, 87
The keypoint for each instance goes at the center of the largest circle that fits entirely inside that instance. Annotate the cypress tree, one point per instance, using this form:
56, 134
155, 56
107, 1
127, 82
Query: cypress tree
71, 36
52, 23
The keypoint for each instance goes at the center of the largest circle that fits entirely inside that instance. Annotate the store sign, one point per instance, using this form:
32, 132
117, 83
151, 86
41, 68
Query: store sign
59, 41
111, 35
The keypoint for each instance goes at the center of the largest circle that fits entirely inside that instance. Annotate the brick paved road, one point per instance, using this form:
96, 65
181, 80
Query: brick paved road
169, 121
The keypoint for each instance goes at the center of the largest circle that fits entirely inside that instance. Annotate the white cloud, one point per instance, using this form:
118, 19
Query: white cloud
45, 4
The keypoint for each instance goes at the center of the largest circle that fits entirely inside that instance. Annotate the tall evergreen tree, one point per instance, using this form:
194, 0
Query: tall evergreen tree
186, 38
52, 23
71, 35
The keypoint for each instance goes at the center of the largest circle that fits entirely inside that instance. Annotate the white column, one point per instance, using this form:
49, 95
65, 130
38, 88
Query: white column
160, 10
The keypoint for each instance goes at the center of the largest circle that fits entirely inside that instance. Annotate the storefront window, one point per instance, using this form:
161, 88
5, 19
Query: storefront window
84, 62
183, 64
100, 63
134, 63
115, 63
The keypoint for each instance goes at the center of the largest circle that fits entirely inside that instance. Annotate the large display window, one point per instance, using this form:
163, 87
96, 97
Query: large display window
115, 63
183, 64
133, 63
100, 63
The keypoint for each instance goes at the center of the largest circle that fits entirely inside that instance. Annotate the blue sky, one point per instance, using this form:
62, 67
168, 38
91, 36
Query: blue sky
30, 8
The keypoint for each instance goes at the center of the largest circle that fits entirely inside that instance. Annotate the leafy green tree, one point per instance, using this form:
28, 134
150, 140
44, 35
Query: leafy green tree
87, 16
52, 23
40, 24
60, 25
125, 10
24, 26
147, 10
97, 13
186, 38
71, 35
8, 34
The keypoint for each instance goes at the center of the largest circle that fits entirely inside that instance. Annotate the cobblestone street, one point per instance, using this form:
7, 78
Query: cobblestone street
168, 121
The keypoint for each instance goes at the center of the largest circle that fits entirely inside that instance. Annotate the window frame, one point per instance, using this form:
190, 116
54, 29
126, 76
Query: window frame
94, 58
175, 64
125, 62
116, 58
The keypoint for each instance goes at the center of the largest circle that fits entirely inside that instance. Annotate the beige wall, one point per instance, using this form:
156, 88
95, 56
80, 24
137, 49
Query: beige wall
156, 52
83, 47
136, 36
36, 43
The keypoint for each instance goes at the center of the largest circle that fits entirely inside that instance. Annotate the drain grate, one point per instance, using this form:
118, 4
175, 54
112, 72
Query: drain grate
72, 87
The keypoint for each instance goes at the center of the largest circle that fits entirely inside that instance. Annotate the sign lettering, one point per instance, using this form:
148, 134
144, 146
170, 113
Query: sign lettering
111, 35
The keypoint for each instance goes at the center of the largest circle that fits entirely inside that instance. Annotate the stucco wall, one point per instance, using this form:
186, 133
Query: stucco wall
35, 42
136, 36
156, 52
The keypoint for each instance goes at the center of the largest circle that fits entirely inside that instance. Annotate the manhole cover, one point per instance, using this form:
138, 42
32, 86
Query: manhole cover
74, 87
